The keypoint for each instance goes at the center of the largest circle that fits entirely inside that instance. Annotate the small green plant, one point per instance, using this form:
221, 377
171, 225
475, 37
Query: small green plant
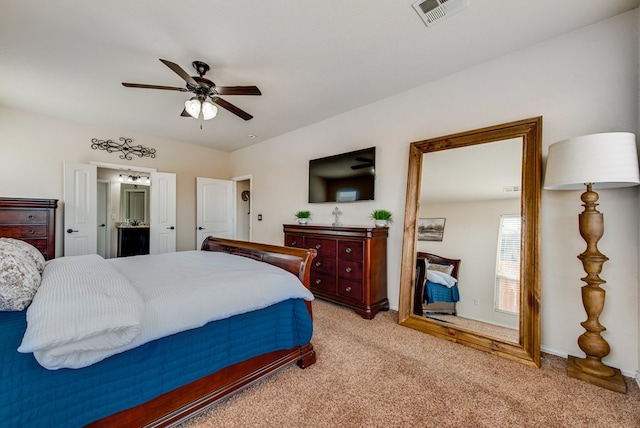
303, 214
382, 215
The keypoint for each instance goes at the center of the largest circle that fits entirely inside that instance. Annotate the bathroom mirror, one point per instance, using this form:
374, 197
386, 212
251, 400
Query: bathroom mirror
481, 164
134, 203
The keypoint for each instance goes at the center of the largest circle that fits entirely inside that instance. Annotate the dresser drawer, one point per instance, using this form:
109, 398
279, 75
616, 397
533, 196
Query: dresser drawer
324, 265
23, 217
323, 282
294, 241
23, 231
324, 247
350, 250
351, 289
350, 270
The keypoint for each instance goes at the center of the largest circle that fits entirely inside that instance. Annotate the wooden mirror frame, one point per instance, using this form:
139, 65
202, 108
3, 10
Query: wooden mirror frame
527, 351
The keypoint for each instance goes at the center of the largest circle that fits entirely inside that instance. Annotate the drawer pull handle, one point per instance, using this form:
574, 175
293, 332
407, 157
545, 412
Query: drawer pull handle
30, 231
294, 244
318, 264
30, 217
348, 250
318, 246
348, 289
318, 281
348, 270
71, 230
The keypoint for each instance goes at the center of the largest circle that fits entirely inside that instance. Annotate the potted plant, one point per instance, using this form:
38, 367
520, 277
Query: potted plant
382, 218
303, 216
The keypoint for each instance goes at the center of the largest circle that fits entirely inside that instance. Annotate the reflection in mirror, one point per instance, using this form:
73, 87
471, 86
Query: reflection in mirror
134, 203
477, 193
476, 189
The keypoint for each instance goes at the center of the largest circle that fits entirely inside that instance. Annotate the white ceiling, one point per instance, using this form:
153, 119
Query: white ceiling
311, 59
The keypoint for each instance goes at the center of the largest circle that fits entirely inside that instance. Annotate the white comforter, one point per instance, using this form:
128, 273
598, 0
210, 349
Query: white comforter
88, 308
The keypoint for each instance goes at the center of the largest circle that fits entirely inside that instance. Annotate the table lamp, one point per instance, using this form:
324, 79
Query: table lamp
597, 161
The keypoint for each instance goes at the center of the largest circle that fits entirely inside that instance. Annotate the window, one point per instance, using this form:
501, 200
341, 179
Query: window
347, 195
507, 296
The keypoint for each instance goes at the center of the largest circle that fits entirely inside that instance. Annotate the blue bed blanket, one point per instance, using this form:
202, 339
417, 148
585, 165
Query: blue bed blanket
32, 396
441, 293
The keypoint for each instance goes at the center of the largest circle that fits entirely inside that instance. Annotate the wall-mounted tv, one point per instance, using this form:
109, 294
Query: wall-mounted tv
347, 177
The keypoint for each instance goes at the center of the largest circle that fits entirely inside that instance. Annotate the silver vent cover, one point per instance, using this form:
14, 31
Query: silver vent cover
432, 11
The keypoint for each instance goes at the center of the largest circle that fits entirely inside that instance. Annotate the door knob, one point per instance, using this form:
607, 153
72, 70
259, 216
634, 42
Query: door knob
71, 230
103, 225
171, 228
200, 228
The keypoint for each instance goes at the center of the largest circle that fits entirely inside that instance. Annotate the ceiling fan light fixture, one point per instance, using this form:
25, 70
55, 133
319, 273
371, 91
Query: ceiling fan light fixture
193, 106
209, 111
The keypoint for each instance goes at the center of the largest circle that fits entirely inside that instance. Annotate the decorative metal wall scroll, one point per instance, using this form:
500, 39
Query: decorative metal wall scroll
126, 148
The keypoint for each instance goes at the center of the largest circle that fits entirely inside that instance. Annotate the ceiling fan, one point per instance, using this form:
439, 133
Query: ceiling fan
367, 163
205, 92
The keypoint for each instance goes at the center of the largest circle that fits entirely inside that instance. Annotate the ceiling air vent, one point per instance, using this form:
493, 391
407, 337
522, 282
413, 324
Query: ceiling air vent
432, 11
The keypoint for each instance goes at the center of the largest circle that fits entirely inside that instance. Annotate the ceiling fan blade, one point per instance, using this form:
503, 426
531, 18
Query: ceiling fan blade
361, 159
184, 113
238, 90
233, 109
140, 85
180, 72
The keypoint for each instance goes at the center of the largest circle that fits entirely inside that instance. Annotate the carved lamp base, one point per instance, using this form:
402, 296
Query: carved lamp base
614, 383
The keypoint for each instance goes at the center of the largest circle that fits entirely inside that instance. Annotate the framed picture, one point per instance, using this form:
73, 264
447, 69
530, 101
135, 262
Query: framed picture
430, 229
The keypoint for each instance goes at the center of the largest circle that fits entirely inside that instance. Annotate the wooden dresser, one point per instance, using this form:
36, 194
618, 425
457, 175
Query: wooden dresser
351, 266
30, 220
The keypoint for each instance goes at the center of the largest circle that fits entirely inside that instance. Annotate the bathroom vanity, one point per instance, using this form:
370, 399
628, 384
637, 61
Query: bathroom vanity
133, 240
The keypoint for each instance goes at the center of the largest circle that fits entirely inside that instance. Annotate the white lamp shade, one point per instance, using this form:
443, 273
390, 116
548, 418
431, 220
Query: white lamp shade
605, 160
209, 111
192, 107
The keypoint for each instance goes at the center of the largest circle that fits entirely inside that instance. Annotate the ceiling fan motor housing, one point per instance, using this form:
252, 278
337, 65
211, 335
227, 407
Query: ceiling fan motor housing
201, 67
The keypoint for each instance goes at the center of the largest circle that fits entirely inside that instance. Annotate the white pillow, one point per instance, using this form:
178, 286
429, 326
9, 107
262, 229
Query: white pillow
441, 278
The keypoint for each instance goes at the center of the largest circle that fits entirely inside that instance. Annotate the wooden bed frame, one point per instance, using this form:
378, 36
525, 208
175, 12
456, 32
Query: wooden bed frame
175, 406
419, 288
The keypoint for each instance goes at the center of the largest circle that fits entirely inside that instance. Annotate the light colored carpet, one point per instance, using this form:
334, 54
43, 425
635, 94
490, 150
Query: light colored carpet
377, 373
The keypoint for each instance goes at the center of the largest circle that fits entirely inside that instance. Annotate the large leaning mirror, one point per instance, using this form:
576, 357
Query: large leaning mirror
470, 256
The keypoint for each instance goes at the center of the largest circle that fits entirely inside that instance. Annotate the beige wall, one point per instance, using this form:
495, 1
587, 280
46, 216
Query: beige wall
33, 149
581, 83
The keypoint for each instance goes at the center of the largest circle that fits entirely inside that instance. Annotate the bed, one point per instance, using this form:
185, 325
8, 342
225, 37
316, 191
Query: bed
436, 288
166, 380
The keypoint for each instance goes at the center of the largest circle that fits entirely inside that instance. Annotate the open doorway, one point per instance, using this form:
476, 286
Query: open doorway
243, 208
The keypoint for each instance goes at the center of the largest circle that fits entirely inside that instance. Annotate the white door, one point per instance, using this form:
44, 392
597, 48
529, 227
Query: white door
216, 209
103, 198
80, 209
162, 235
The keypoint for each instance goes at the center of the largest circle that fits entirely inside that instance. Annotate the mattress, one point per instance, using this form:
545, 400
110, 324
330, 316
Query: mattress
32, 396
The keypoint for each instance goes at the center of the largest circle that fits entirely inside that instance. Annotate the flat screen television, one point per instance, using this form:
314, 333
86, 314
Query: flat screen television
347, 177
